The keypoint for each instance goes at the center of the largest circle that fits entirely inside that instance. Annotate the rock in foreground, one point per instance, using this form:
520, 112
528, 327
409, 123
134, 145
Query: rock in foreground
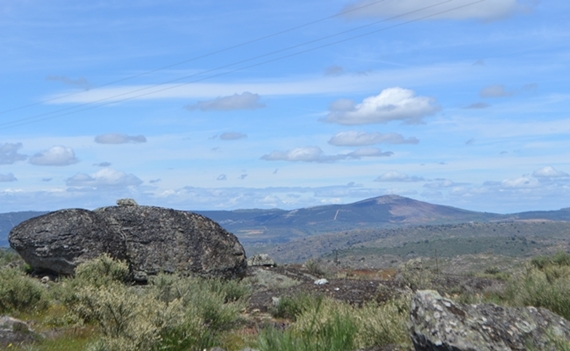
150, 239
437, 323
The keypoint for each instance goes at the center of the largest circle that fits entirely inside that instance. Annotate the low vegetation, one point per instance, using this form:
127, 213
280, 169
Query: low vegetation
99, 309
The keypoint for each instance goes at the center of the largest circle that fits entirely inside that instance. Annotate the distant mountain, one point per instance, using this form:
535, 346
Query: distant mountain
12, 219
383, 212
389, 211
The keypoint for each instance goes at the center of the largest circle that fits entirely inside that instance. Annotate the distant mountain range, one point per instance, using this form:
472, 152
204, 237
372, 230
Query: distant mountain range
383, 212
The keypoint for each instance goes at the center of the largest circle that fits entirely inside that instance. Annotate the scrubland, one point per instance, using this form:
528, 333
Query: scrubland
100, 308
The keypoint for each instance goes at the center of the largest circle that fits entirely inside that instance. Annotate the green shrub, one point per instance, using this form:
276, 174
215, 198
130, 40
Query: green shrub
212, 307
102, 270
290, 307
327, 324
8, 256
544, 283
335, 333
19, 293
314, 268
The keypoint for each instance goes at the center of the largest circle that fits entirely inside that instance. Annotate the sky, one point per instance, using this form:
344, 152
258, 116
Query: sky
222, 105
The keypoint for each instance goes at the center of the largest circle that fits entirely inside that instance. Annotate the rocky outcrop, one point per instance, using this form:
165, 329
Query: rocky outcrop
261, 260
14, 332
59, 241
159, 239
438, 323
150, 239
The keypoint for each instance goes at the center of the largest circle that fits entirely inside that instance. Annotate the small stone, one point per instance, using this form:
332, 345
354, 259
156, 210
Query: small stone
322, 281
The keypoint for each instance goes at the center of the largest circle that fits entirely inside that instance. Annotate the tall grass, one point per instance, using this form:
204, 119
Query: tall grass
321, 323
544, 283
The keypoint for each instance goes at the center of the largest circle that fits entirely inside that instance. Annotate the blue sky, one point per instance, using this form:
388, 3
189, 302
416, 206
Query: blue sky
287, 104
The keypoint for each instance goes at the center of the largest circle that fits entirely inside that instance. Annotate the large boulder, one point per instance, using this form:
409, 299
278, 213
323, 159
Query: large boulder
438, 323
165, 240
150, 239
60, 240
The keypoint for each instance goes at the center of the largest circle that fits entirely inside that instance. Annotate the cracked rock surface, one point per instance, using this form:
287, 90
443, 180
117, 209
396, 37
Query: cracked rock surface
437, 323
151, 240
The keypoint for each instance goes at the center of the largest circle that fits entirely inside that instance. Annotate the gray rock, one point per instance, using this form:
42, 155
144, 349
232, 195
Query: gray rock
15, 332
166, 240
438, 323
126, 202
150, 239
59, 241
263, 260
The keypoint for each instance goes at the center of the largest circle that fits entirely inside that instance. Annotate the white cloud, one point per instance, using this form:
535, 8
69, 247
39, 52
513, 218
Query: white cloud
315, 154
7, 178
354, 138
55, 156
494, 91
485, 10
523, 182
117, 138
106, 177
243, 101
549, 172
392, 104
395, 176
9, 153
232, 136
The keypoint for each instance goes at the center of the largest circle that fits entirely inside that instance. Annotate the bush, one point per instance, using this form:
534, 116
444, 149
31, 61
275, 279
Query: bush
19, 293
211, 307
101, 271
544, 283
337, 332
290, 307
326, 324
314, 268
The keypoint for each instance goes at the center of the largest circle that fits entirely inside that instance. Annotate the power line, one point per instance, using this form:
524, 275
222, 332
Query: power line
91, 105
201, 56
113, 98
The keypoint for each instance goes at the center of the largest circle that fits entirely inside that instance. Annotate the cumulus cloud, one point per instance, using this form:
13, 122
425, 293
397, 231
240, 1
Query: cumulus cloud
476, 106
486, 10
55, 156
7, 178
243, 101
354, 138
104, 178
494, 91
232, 136
549, 172
523, 182
117, 138
392, 104
222, 177
9, 153
80, 82
315, 154
395, 176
